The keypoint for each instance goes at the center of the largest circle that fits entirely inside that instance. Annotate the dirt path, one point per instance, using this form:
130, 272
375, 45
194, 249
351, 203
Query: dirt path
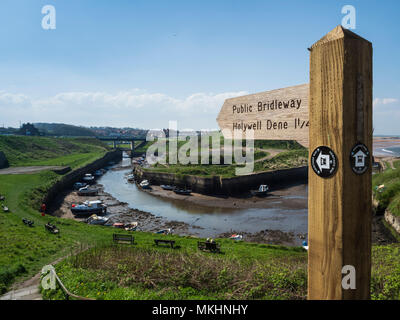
28, 289
29, 170
271, 153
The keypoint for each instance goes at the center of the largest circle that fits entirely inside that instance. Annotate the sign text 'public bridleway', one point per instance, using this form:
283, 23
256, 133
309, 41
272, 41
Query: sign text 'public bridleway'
280, 114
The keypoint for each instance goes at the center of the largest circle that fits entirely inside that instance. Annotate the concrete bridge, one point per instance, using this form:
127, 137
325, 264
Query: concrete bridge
116, 139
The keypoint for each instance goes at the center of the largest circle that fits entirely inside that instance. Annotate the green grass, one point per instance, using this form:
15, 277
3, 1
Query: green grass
124, 272
385, 278
144, 271
24, 250
242, 271
27, 151
390, 196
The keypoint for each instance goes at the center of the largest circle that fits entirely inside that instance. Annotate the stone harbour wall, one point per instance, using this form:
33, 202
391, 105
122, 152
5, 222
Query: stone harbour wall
226, 186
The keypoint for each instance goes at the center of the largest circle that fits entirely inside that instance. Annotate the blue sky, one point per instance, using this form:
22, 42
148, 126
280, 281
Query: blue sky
142, 63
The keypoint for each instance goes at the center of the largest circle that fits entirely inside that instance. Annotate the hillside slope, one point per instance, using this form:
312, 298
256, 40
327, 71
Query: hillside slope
24, 151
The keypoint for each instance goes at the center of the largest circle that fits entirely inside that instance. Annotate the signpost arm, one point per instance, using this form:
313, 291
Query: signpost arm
339, 208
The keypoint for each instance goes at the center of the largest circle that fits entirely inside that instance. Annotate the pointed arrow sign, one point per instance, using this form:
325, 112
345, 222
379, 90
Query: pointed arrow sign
280, 114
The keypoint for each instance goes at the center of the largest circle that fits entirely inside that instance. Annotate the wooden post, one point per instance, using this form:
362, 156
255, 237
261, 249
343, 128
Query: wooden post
339, 207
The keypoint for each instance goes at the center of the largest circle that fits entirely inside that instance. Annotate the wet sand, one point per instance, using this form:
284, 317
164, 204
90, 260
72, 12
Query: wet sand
291, 198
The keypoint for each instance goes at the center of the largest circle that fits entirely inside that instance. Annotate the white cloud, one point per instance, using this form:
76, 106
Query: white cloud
384, 101
135, 107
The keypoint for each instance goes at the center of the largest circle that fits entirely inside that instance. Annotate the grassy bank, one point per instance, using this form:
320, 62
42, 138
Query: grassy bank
243, 271
389, 197
293, 155
35, 151
144, 271
24, 250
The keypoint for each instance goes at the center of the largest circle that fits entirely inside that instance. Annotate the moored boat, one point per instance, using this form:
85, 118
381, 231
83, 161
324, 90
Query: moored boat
145, 184
131, 226
78, 185
97, 220
88, 178
262, 191
118, 225
89, 208
99, 173
86, 191
184, 192
167, 187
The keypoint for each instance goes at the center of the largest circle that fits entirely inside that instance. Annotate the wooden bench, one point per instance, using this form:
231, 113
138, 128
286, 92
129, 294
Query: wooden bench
209, 246
123, 238
170, 242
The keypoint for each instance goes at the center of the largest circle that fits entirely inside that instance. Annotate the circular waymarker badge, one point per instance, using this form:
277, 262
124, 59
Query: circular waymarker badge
324, 162
359, 158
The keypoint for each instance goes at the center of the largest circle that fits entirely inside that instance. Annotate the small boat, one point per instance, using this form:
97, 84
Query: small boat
131, 226
236, 237
145, 184
86, 191
262, 191
78, 185
305, 245
130, 178
184, 192
97, 220
27, 222
88, 178
89, 208
51, 228
118, 225
164, 231
167, 187
99, 173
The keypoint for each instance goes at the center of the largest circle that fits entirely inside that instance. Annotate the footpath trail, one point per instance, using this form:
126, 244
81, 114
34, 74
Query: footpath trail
27, 290
271, 153
28, 170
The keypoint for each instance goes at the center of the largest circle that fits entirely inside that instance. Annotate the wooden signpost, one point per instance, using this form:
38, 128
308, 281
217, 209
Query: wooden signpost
340, 142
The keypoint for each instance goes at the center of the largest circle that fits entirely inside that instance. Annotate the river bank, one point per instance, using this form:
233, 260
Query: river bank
117, 212
197, 215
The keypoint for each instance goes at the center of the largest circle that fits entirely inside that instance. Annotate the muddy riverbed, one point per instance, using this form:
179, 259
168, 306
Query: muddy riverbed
280, 218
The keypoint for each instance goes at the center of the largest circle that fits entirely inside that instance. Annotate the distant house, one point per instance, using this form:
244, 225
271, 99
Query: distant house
28, 129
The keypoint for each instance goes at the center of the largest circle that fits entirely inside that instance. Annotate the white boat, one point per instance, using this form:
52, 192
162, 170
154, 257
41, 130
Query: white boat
88, 178
95, 219
262, 190
145, 184
131, 226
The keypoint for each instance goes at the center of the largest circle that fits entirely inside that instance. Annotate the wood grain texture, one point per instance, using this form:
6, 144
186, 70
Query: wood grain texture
280, 114
339, 208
